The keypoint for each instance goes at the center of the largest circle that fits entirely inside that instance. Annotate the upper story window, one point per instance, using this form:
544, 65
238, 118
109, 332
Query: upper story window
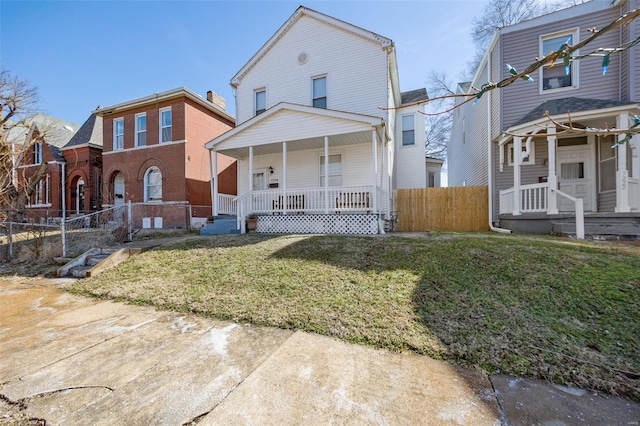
320, 92
166, 123
260, 101
558, 76
524, 159
153, 185
408, 130
141, 129
37, 153
118, 133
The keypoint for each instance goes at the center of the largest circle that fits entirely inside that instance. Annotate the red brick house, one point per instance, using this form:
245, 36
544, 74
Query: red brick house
51, 135
83, 157
154, 149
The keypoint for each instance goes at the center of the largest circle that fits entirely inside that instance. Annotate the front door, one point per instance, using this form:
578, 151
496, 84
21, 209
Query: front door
576, 176
118, 189
80, 196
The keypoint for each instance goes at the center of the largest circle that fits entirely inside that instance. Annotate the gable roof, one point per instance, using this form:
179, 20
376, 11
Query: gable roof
564, 105
413, 96
57, 132
162, 96
90, 133
304, 11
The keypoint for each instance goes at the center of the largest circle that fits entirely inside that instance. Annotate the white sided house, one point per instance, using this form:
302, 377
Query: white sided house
542, 177
323, 137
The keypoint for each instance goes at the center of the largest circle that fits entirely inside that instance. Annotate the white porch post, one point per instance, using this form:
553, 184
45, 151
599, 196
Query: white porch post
216, 209
374, 142
284, 177
214, 184
517, 153
552, 180
326, 174
251, 168
622, 175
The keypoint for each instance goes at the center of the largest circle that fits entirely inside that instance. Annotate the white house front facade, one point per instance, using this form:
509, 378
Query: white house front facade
322, 131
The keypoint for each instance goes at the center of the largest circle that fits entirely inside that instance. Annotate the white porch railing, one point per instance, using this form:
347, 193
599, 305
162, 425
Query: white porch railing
533, 198
579, 209
634, 194
227, 204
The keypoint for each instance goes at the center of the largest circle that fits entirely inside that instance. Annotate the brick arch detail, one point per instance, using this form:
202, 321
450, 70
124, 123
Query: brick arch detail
150, 163
115, 168
73, 177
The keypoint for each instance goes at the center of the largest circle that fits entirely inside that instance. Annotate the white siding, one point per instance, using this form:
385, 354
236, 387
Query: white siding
345, 58
303, 167
410, 169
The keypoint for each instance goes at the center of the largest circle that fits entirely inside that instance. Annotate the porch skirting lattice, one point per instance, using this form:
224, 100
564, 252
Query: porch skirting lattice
362, 224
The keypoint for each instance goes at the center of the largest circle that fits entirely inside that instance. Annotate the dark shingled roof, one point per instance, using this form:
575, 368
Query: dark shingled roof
414, 96
89, 133
561, 106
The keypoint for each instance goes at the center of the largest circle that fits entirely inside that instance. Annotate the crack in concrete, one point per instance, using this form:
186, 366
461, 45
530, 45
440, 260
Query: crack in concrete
194, 421
43, 394
503, 415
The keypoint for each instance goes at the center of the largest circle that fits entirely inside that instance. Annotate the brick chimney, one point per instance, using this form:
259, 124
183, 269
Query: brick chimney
216, 99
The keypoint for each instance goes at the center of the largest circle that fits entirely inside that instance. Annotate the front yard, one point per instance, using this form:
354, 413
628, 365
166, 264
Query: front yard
549, 308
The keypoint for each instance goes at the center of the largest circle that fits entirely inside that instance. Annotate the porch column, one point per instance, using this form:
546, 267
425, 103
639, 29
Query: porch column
374, 142
213, 181
326, 174
552, 180
251, 168
622, 175
517, 153
216, 206
284, 177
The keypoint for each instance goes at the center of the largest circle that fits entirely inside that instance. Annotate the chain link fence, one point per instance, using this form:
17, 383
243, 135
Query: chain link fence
44, 238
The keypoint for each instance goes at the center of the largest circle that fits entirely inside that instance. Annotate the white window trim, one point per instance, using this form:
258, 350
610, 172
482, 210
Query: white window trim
599, 165
46, 195
115, 147
402, 144
255, 103
321, 168
574, 32
532, 155
160, 126
37, 153
145, 183
326, 88
138, 131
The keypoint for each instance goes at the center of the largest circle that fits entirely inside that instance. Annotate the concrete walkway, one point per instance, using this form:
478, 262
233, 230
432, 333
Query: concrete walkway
76, 361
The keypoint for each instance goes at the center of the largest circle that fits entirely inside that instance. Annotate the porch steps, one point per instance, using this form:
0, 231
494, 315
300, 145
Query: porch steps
602, 228
221, 225
96, 260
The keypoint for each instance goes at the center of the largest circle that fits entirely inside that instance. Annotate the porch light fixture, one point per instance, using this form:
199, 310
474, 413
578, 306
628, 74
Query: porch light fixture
270, 170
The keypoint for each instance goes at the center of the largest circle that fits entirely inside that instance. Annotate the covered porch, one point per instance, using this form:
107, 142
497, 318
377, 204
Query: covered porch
307, 170
576, 165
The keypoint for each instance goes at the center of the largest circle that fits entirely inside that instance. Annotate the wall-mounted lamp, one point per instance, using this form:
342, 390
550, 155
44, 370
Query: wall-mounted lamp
270, 170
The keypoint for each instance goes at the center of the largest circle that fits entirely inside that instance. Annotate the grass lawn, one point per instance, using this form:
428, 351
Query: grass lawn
549, 308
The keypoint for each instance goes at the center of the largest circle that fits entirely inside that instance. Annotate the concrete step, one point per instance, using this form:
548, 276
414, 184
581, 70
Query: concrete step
93, 260
80, 271
221, 225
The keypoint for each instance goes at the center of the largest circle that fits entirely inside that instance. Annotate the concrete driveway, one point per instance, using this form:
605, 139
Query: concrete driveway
76, 361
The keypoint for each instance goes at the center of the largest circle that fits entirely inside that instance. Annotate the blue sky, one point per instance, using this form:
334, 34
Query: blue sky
81, 54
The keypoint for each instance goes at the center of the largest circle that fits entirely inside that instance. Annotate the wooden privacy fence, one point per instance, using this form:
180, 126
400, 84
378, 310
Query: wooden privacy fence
443, 209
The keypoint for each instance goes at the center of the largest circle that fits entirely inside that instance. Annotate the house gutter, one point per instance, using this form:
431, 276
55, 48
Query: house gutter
489, 157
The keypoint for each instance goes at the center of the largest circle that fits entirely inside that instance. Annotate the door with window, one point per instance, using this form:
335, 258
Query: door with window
576, 176
118, 189
80, 196
259, 179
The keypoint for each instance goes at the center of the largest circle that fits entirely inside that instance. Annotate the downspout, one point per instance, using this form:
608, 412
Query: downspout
489, 156
64, 192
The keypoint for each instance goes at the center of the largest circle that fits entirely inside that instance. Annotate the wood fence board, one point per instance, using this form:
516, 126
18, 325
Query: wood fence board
443, 209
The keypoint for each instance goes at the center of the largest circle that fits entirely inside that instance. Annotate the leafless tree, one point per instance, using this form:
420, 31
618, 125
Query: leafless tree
18, 101
438, 126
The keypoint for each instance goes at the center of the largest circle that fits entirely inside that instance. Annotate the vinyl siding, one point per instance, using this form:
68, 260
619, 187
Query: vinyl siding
303, 167
520, 47
411, 172
634, 56
343, 57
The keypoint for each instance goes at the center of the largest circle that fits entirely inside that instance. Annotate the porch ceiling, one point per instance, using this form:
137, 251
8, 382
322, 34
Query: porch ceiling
301, 144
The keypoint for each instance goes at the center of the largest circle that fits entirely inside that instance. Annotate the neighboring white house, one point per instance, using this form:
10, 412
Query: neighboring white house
324, 135
542, 184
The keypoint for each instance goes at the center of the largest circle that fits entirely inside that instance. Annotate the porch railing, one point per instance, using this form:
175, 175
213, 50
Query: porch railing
579, 210
227, 204
533, 198
634, 194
